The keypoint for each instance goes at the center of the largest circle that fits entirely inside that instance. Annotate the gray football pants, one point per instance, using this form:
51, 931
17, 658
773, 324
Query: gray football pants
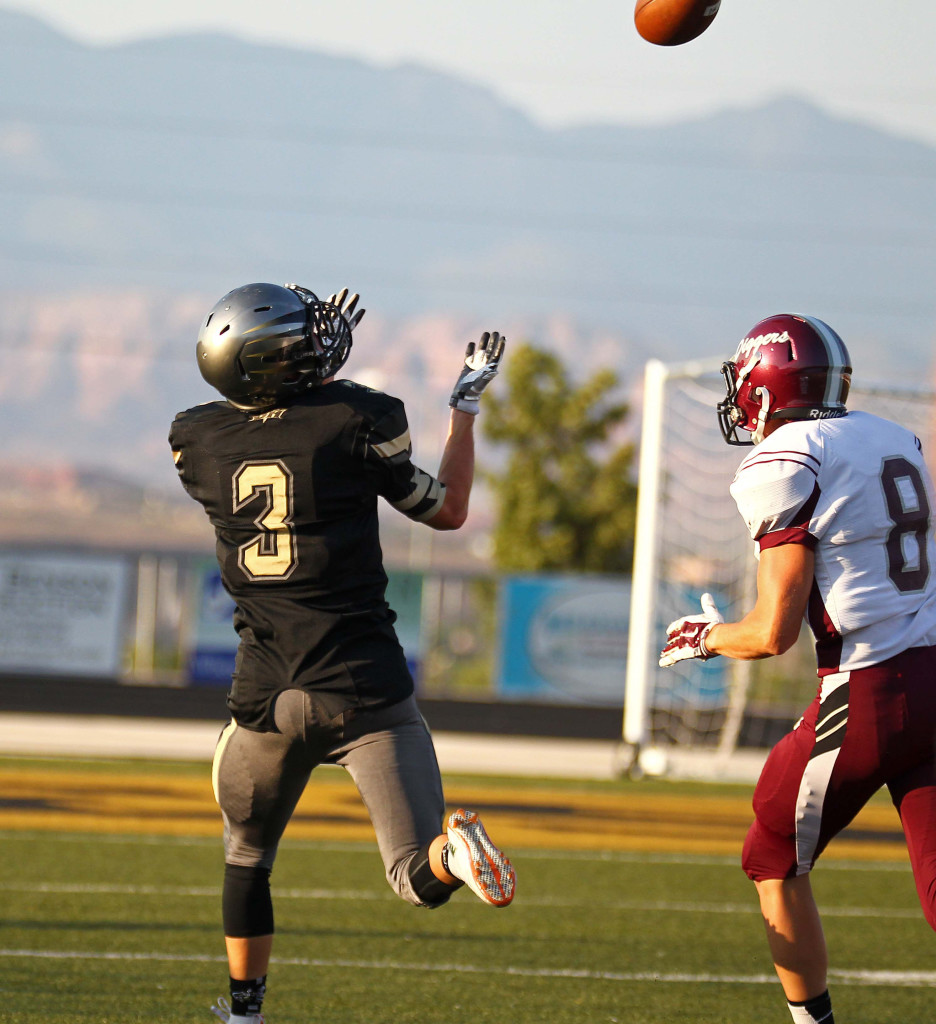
258, 778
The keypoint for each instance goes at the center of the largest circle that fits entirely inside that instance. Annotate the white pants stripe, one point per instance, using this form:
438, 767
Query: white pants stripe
815, 781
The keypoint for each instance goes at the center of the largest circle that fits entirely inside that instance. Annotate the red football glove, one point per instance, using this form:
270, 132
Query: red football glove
685, 638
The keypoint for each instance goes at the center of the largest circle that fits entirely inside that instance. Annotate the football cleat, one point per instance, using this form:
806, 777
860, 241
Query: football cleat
223, 1011
474, 859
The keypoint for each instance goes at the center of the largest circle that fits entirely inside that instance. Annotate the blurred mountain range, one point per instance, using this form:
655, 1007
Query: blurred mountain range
140, 182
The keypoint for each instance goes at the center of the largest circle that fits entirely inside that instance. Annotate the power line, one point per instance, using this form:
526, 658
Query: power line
482, 74
423, 213
606, 293
565, 146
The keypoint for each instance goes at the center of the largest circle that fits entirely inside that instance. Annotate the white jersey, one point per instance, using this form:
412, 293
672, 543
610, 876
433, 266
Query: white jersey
856, 490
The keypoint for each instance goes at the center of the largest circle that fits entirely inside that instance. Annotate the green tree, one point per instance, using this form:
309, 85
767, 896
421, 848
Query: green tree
565, 499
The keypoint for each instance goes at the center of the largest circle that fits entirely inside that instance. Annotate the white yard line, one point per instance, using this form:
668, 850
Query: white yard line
903, 979
605, 856
365, 895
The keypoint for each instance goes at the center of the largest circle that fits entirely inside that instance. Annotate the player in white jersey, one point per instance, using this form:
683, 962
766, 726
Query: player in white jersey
860, 483
839, 506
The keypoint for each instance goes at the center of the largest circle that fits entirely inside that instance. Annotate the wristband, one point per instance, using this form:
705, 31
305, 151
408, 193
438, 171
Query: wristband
703, 650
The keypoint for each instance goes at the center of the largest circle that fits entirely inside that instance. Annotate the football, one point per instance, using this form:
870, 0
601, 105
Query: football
673, 22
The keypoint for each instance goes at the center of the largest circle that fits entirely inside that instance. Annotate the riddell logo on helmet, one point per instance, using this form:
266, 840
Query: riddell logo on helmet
826, 414
750, 345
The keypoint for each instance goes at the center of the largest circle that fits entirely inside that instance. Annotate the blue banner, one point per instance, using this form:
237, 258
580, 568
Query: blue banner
564, 639
211, 662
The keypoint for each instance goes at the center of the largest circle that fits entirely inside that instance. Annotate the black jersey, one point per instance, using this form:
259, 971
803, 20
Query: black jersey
292, 495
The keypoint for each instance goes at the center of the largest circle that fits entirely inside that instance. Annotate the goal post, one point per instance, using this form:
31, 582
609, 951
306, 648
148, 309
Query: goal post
717, 718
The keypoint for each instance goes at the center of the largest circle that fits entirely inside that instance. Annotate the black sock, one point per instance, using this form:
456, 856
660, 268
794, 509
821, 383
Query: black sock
819, 1008
247, 996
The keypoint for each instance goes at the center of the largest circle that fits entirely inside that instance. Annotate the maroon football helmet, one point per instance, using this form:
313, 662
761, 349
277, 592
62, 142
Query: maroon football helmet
788, 367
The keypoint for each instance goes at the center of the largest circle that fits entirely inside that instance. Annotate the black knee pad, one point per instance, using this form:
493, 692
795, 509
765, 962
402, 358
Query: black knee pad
246, 904
430, 890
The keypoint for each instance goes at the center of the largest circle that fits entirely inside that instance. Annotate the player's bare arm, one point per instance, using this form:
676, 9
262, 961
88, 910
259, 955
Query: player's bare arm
784, 581
456, 470
456, 473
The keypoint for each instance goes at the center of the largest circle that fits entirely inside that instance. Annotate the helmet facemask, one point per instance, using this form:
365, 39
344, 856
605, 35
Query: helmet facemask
327, 342
737, 411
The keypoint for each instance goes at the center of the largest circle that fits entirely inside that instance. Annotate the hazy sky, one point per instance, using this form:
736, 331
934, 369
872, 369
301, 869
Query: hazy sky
572, 61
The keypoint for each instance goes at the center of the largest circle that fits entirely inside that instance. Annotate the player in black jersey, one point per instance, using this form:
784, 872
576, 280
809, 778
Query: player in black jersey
289, 468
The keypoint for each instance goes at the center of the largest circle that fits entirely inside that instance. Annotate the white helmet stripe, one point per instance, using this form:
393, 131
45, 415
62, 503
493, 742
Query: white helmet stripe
838, 360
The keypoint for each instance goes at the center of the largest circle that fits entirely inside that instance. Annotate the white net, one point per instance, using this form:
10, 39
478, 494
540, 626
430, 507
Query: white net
701, 544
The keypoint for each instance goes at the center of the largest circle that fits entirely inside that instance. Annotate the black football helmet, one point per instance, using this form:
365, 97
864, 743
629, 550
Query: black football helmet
264, 344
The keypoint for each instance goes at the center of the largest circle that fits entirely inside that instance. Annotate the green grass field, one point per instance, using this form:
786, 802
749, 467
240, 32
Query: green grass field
111, 928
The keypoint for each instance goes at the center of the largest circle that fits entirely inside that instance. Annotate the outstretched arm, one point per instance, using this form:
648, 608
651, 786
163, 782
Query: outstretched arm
784, 582
456, 471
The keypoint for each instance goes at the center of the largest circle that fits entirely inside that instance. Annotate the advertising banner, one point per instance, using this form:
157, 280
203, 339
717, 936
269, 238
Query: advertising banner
62, 614
214, 642
404, 595
564, 639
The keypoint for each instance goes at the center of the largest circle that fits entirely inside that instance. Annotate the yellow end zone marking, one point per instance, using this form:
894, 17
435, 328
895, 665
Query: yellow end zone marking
331, 809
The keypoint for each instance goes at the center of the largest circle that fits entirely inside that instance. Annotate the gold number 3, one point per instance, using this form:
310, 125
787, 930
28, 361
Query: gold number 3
272, 554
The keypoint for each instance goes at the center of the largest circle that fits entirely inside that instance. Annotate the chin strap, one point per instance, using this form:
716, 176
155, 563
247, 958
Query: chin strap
766, 398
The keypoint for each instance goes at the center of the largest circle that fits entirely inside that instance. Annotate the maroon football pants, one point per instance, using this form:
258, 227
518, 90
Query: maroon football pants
868, 728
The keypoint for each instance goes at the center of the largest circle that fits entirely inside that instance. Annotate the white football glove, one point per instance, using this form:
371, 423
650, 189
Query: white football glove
352, 318
685, 638
482, 361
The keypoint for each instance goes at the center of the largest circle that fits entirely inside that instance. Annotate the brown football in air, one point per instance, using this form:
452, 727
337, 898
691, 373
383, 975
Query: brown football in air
673, 22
